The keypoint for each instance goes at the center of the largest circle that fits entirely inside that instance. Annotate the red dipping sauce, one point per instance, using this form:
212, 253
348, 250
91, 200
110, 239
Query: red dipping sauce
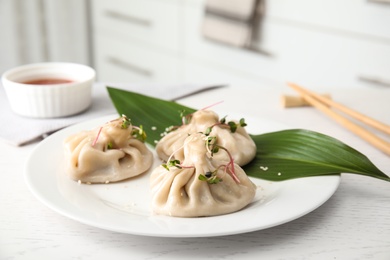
47, 81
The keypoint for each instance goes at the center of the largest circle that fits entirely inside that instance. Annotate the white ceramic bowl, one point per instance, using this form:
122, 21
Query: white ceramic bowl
29, 96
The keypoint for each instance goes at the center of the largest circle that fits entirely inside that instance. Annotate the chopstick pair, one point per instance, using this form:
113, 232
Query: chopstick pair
325, 105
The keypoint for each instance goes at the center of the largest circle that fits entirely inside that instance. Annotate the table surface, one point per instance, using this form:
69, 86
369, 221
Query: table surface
353, 224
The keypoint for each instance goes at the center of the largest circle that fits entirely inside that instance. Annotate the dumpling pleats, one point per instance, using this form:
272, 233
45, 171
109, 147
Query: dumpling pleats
107, 154
179, 191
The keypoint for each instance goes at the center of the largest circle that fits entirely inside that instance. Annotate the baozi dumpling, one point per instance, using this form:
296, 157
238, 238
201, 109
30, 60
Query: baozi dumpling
239, 143
200, 185
107, 154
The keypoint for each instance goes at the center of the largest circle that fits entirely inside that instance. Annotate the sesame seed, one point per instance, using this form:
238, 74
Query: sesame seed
264, 168
279, 173
154, 128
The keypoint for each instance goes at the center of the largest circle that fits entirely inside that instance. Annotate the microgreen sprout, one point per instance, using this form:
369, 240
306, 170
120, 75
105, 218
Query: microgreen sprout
175, 163
230, 166
185, 119
139, 133
212, 147
210, 177
212, 105
136, 132
126, 122
231, 125
172, 163
223, 120
242, 122
97, 136
208, 131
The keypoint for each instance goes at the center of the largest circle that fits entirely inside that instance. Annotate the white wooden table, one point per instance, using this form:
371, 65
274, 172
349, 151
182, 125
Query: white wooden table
353, 224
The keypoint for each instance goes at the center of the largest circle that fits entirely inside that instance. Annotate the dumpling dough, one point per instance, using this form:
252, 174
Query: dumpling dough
106, 154
239, 143
179, 192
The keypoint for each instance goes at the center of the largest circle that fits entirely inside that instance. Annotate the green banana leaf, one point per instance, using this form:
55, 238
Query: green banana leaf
281, 155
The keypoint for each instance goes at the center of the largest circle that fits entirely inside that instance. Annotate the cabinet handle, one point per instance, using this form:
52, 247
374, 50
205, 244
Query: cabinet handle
374, 80
380, 1
128, 18
128, 66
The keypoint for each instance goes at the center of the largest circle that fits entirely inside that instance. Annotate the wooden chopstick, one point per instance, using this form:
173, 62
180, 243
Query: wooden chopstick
363, 118
324, 104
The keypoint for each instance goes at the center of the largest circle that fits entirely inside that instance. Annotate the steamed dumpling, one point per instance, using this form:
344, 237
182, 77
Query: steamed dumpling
179, 191
239, 143
107, 154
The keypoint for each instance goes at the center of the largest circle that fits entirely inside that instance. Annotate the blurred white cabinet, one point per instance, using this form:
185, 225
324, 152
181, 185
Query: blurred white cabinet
126, 61
136, 41
319, 43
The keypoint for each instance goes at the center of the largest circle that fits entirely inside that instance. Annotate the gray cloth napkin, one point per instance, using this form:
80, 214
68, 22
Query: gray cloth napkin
232, 22
18, 130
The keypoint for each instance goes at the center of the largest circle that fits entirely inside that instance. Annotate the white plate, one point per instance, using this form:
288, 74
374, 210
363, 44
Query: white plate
124, 206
